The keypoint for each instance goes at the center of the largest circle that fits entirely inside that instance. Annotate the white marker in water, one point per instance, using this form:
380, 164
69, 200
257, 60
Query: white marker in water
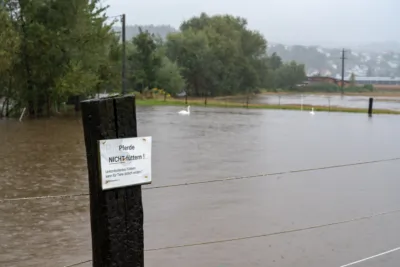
301, 102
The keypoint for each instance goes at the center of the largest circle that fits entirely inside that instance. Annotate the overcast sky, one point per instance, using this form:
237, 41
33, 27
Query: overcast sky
309, 22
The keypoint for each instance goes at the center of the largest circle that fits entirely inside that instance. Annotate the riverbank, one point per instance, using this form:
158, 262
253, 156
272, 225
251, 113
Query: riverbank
388, 94
369, 94
226, 104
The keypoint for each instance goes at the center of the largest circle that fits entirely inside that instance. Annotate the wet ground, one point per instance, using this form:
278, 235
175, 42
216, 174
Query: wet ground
381, 102
241, 222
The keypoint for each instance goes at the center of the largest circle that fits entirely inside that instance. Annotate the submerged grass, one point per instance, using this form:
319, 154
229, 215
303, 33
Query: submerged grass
226, 104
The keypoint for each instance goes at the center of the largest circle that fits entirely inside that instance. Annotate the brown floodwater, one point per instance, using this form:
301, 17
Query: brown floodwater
47, 158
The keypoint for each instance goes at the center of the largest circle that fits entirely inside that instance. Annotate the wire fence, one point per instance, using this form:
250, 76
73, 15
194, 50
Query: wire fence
327, 101
212, 181
235, 239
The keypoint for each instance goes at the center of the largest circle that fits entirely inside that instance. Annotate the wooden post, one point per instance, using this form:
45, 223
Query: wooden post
371, 102
117, 214
247, 99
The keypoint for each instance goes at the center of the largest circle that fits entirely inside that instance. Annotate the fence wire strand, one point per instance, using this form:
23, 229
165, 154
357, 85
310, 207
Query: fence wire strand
78, 263
212, 181
262, 235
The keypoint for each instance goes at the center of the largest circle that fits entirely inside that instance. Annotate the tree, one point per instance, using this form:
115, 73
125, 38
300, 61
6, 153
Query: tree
290, 74
64, 50
191, 51
169, 77
219, 55
9, 45
9, 41
145, 61
275, 62
53, 50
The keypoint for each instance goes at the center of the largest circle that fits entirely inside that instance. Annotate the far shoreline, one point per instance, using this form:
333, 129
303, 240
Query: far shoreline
366, 94
218, 103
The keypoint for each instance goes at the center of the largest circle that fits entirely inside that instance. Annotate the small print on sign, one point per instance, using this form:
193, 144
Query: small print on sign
125, 162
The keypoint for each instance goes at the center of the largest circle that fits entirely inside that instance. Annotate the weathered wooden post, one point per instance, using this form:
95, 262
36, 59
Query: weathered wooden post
117, 168
77, 106
371, 102
247, 99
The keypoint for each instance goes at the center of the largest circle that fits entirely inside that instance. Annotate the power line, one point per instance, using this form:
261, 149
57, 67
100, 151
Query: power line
263, 235
215, 180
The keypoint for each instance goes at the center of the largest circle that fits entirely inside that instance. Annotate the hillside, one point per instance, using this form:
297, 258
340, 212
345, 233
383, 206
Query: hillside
325, 61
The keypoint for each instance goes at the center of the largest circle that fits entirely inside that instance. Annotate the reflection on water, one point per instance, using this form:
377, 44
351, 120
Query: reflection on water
46, 157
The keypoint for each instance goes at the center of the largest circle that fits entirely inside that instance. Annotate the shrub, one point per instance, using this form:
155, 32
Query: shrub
323, 87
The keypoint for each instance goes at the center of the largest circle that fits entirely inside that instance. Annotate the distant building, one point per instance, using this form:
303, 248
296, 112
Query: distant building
378, 80
325, 79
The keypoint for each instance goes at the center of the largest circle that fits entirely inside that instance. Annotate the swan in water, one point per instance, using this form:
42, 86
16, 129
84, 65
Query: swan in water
312, 111
185, 112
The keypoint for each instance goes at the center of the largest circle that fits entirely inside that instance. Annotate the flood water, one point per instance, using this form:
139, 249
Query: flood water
47, 157
381, 102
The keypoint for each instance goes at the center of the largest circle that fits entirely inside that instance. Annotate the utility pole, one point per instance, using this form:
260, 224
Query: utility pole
343, 58
123, 54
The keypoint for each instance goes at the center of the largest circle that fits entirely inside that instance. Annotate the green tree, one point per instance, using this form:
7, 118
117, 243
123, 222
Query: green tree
191, 51
144, 61
9, 45
290, 74
219, 55
169, 77
64, 49
275, 61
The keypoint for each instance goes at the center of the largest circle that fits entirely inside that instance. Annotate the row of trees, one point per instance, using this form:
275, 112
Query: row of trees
52, 50
215, 55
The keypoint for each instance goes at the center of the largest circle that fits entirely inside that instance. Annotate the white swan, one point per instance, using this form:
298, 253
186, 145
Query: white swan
312, 111
185, 112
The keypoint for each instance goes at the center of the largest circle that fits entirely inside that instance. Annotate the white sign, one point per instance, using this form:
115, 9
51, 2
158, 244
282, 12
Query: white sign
125, 162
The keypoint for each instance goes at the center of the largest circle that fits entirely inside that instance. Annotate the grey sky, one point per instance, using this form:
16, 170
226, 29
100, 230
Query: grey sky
318, 22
